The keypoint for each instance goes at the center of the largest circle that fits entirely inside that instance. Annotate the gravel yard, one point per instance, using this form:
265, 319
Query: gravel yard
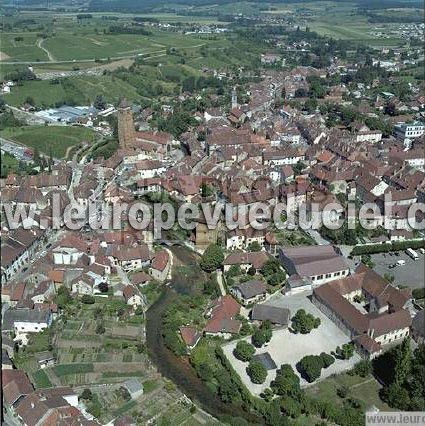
288, 348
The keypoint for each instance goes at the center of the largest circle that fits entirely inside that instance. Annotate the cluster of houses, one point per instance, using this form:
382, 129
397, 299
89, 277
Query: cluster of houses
256, 151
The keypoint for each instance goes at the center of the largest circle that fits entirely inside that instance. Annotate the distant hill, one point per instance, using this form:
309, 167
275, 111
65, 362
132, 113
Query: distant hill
144, 5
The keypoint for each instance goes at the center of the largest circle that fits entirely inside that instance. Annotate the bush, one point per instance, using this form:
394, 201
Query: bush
387, 247
87, 299
363, 368
342, 392
418, 293
327, 360
310, 367
86, 394
345, 352
256, 372
244, 351
100, 329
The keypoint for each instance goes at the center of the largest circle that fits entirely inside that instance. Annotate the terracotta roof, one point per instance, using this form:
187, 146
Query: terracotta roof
189, 335
256, 259
57, 275
160, 261
129, 291
15, 385
223, 311
365, 341
140, 278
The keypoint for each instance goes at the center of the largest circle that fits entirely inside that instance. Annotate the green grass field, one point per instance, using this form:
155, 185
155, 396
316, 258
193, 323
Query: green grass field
364, 389
41, 380
56, 139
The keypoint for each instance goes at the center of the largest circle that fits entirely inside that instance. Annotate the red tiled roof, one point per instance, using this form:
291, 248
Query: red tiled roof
160, 260
224, 309
189, 335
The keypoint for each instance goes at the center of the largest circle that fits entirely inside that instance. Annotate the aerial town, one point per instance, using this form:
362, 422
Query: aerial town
214, 217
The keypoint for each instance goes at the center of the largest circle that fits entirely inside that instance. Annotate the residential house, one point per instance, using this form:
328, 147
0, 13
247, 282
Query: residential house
161, 265
250, 292
132, 296
221, 315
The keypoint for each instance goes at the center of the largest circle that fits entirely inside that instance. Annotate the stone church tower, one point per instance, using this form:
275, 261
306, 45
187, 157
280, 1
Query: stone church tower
126, 131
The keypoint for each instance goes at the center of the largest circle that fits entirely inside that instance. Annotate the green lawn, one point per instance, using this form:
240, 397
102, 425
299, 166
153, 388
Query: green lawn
9, 164
364, 389
41, 380
56, 139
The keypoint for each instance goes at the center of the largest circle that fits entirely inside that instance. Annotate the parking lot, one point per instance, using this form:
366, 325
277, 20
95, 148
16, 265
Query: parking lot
411, 274
288, 348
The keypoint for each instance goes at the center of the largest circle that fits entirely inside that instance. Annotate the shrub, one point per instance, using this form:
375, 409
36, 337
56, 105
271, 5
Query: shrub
327, 360
244, 351
256, 372
87, 299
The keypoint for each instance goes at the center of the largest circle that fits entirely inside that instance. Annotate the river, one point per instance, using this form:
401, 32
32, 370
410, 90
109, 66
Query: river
178, 369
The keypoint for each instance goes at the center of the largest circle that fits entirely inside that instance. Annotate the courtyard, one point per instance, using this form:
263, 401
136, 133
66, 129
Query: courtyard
288, 348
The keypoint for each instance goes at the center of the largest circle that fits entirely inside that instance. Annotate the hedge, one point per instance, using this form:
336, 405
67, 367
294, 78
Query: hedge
387, 247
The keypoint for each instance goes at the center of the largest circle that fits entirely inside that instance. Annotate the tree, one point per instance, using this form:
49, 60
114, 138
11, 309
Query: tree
212, 258
63, 297
363, 368
100, 329
262, 335
251, 271
30, 100
310, 367
99, 103
402, 361
227, 388
298, 168
254, 246
234, 271
86, 394
286, 383
87, 299
256, 372
244, 351
303, 322
270, 267
205, 371
103, 287
267, 394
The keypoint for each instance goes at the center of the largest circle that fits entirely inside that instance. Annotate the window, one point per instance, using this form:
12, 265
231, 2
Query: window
320, 277
328, 275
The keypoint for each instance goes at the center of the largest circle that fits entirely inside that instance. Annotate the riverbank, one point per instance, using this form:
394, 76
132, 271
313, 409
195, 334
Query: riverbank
178, 369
